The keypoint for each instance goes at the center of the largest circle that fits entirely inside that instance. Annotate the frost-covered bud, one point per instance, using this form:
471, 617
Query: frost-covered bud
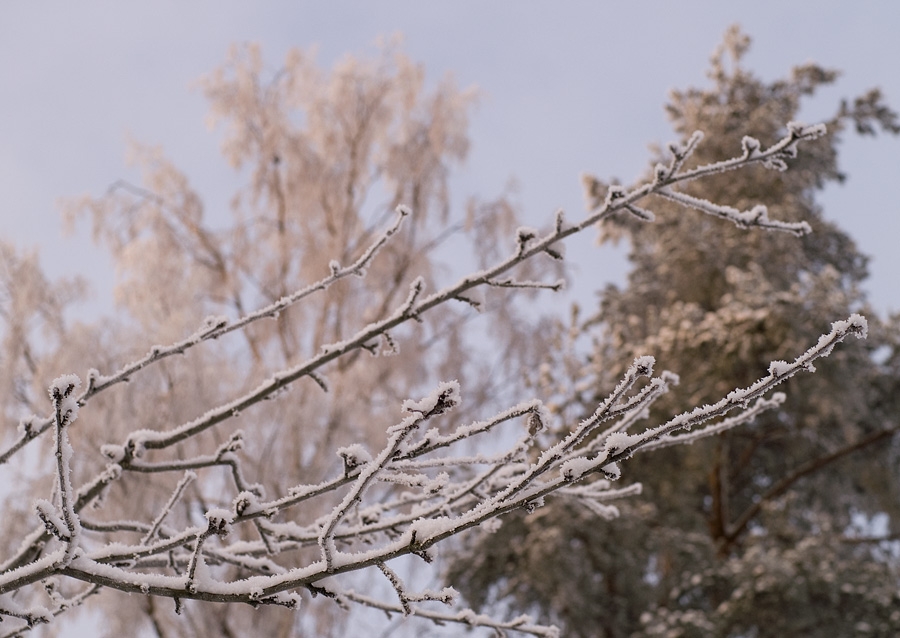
574, 469
611, 471
26, 427
750, 146
234, 443
798, 130
779, 368
856, 325
441, 399
219, 521
62, 392
214, 322
353, 456
614, 194
134, 446
114, 453
525, 234
53, 523
532, 505
660, 173
245, 503
643, 366
618, 441
535, 423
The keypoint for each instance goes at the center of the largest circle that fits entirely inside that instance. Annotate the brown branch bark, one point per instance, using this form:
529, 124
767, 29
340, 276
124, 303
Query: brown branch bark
810, 467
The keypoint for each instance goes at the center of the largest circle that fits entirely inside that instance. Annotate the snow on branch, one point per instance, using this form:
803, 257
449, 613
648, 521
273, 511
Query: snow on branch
212, 328
424, 485
757, 216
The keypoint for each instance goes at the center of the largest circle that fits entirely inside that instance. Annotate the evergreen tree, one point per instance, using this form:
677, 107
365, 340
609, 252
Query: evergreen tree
747, 533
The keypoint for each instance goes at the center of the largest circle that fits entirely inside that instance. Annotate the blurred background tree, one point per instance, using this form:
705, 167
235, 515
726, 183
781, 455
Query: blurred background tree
325, 157
750, 533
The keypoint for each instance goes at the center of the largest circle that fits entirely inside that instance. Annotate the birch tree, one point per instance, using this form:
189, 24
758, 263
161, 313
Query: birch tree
286, 407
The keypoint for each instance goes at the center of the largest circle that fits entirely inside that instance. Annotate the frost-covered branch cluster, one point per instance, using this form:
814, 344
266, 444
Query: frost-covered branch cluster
434, 477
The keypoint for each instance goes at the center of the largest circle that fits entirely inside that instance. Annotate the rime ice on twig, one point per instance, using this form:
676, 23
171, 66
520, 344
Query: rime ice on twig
419, 489
186, 480
456, 506
65, 407
213, 328
529, 245
758, 216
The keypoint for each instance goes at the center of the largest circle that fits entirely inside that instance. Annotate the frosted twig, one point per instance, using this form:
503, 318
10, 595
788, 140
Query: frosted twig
429, 506
32, 617
779, 371
417, 529
539, 285
523, 624
186, 480
443, 399
432, 440
757, 216
213, 328
761, 405
218, 524
65, 409
414, 308
397, 584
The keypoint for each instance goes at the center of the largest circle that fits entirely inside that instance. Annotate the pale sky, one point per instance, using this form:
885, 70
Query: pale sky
567, 87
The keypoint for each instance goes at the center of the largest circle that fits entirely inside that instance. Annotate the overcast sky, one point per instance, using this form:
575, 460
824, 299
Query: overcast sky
567, 87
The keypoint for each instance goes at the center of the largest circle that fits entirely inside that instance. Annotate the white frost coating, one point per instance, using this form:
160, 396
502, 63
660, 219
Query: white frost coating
810, 132
354, 456
219, 519
644, 365
779, 368
436, 484
574, 469
758, 216
114, 453
606, 512
65, 388
65, 384
855, 324
424, 509
750, 146
50, 516
539, 419
26, 425
619, 441
447, 391
670, 377
611, 471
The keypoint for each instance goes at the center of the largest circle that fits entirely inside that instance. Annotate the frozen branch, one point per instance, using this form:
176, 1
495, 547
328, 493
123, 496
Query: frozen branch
421, 488
212, 328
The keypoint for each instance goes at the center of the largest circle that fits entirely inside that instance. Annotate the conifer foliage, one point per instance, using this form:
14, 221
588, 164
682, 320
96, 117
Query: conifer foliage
762, 517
